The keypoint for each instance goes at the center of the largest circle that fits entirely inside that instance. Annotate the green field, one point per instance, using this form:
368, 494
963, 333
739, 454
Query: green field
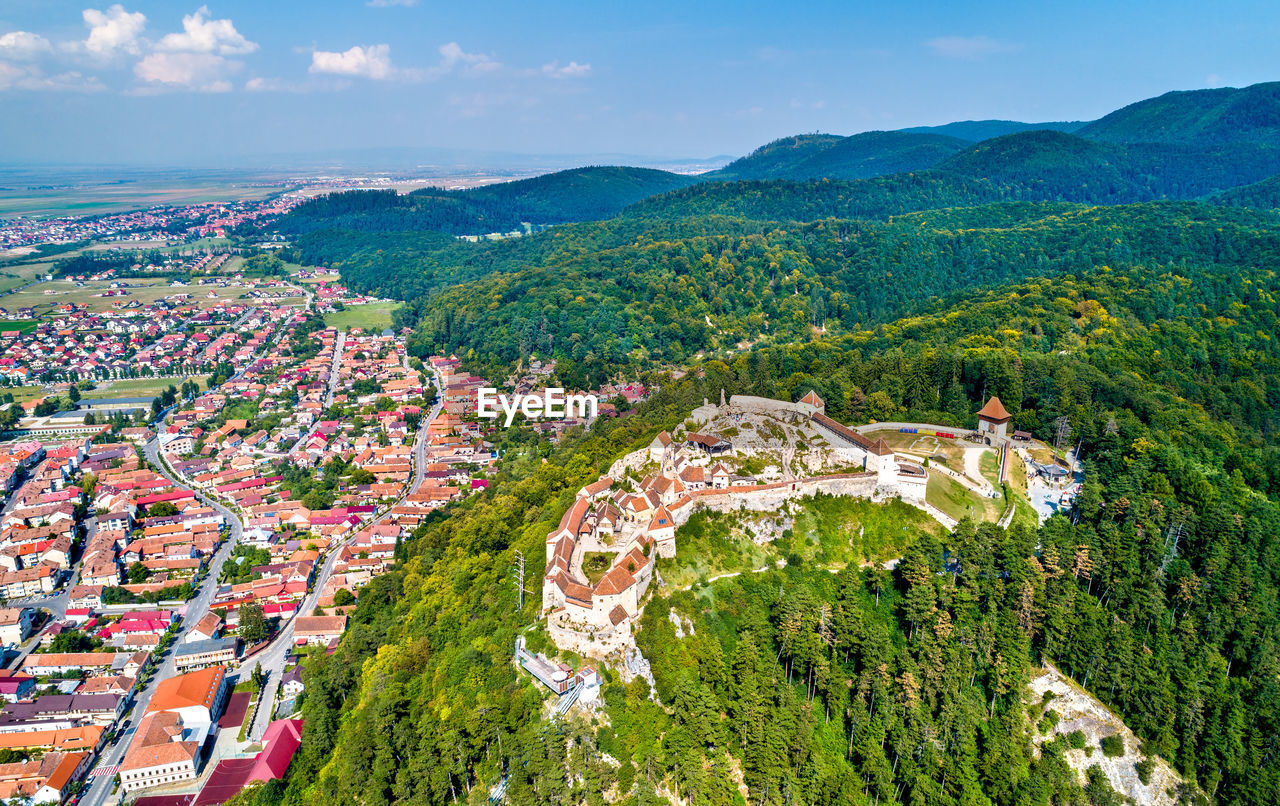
21, 394
20, 325
102, 199
139, 387
374, 316
14, 275
959, 501
319, 278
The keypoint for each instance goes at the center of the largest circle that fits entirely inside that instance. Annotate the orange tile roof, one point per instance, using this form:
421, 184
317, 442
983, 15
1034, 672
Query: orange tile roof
187, 690
994, 410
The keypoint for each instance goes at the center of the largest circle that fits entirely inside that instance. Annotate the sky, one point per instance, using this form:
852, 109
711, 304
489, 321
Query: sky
178, 83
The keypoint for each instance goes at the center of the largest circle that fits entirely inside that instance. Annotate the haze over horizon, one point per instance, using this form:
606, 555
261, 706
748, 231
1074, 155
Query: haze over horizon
152, 83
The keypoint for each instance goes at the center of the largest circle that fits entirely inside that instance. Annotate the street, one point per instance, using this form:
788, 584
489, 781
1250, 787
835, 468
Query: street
273, 658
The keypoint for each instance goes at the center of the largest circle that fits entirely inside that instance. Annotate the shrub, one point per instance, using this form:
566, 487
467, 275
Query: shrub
1113, 745
1144, 768
1076, 740
1048, 721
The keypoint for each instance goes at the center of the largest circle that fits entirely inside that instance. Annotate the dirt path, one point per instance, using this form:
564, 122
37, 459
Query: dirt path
973, 466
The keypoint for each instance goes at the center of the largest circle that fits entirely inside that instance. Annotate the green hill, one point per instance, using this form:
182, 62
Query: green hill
871, 154
1264, 195
1201, 117
777, 159
1030, 166
1147, 329
859, 156
1083, 278
580, 194
975, 130
634, 290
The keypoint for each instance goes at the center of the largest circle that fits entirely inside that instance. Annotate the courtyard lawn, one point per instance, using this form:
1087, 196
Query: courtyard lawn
959, 501
595, 564
923, 445
374, 316
989, 466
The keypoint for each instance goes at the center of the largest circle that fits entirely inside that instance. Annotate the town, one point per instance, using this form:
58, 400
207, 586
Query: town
199, 480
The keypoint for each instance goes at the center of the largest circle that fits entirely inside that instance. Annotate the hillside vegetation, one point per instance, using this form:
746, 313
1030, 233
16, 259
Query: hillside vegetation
580, 194
1200, 117
1114, 282
863, 686
859, 156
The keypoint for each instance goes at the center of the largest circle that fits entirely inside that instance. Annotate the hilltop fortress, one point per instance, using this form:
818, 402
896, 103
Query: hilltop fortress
633, 512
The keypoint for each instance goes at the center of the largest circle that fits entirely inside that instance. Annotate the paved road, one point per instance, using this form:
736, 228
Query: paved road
57, 602
99, 788
338, 347
272, 659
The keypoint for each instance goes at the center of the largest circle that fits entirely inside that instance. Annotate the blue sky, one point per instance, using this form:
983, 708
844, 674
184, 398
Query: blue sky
182, 83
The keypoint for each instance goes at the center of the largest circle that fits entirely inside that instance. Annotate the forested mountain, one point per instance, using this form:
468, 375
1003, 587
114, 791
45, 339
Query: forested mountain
859, 156
909, 688
580, 194
1196, 117
776, 159
1128, 285
1264, 195
1178, 146
657, 298
975, 130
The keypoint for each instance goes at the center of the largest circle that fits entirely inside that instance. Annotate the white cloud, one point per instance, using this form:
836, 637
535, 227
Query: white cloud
196, 71
265, 84
452, 56
23, 45
970, 47
114, 30
373, 61
390, 3
203, 35
570, 70
30, 77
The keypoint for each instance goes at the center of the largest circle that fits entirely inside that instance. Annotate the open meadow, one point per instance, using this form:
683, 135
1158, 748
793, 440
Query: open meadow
374, 316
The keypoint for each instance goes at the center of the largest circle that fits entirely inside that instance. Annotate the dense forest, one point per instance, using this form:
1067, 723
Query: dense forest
1114, 279
630, 295
800, 686
580, 194
859, 156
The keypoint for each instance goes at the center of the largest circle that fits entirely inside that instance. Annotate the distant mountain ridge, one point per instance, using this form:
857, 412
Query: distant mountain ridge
1180, 145
1195, 117
860, 156
578, 194
975, 130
